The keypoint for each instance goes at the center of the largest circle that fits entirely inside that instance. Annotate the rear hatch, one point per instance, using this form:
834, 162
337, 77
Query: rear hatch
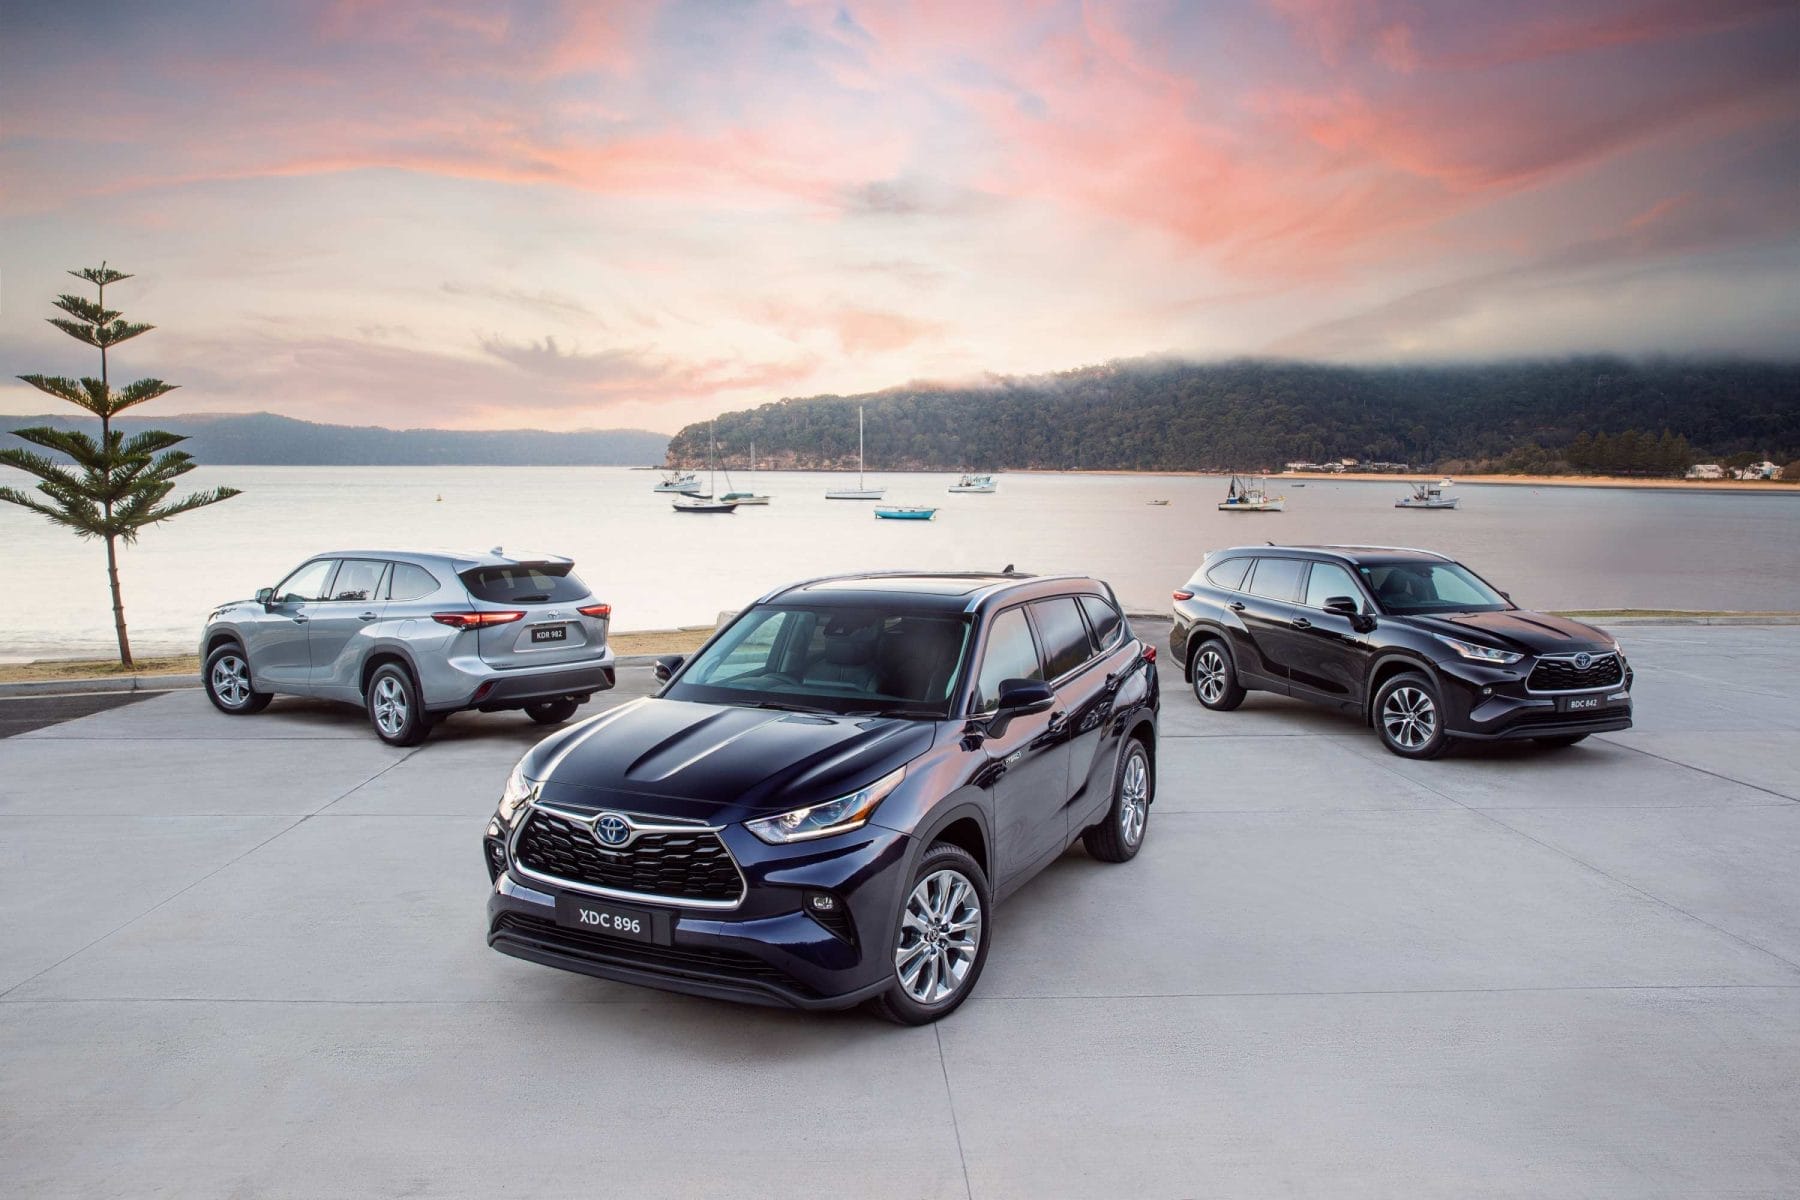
553, 628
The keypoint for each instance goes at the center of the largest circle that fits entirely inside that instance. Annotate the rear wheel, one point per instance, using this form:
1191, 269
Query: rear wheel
228, 682
394, 709
1409, 717
941, 940
1215, 678
1118, 837
552, 712
1558, 743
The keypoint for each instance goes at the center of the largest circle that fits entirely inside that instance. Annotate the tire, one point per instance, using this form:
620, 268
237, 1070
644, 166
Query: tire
229, 684
552, 712
1214, 677
1561, 743
1120, 835
1409, 717
905, 1003
392, 702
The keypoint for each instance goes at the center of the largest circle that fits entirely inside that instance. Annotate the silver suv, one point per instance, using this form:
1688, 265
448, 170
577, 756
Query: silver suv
414, 636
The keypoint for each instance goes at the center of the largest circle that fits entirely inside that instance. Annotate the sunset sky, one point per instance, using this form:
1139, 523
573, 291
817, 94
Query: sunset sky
588, 215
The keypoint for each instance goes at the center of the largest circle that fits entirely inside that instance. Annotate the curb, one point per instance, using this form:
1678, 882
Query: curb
122, 683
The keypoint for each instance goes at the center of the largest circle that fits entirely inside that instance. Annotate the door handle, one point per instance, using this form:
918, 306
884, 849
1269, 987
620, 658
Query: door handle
368, 616
1058, 720
1302, 623
1237, 606
300, 620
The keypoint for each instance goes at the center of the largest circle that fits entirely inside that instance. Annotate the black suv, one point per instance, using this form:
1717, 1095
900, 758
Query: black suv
1412, 641
823, 804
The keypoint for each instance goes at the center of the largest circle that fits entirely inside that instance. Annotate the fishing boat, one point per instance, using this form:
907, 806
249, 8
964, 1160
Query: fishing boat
976, 485
1446, 481
1157, 503
906, 514
706, 504
1426, 495
861, 491
1249, 495
744, 497
685, 483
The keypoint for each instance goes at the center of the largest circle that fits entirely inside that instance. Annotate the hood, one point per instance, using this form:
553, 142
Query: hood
1517, 629
713, 762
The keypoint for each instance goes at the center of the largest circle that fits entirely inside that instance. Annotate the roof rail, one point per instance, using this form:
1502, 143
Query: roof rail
1407, 549
800, 583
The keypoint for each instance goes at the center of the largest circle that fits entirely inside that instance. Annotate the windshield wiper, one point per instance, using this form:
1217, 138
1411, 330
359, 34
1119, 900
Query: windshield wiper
784, 706
899, 710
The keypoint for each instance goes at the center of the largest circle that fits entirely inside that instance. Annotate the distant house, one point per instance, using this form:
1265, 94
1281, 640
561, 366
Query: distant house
1300, 466
1346, 464
1761, 470
1391, 468
1706, 471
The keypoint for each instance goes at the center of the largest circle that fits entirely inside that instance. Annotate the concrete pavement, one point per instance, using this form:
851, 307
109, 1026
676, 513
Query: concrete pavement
245, 957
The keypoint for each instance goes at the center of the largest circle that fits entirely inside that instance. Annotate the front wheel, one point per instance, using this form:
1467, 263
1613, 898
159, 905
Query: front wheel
228, 683
1215, 678
1409, 717
941, 940
1118, 837
394, 709
552, 712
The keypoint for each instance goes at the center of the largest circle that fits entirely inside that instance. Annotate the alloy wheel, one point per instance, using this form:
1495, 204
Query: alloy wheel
231, 680
1210, 675
940, 932
1134, 799
390, 705
1409, 717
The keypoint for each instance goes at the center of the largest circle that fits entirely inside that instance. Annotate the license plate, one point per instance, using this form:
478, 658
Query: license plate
550, 633
610, 920
1580, 703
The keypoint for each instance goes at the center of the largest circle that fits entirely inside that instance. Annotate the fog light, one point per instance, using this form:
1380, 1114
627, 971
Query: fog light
1487, 691
822, 902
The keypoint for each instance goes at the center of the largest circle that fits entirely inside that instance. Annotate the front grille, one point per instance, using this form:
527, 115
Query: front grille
685, 962
675, 866
1562, 675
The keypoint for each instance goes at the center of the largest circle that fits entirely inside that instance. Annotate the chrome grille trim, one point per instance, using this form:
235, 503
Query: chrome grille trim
643, 823
1617, 684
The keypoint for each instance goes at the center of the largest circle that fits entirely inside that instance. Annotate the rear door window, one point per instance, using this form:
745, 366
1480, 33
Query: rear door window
358, 579
521, 583
1276, 578
411, 583
1228, 574
1066, 641
1104, 619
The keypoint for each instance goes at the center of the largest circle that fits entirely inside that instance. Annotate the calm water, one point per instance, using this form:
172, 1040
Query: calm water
1552, 548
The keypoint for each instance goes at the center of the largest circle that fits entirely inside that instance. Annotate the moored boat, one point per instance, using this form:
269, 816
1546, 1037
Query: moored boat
861, 491
745, 497
697, 502
1427, 495
906, 514
684, 483
975, 485
1249, 494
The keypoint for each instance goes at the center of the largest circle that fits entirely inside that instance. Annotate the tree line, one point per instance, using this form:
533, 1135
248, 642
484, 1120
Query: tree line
1652, 417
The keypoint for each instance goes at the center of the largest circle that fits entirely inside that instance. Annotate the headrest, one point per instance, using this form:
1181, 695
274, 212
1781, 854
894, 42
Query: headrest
849, 647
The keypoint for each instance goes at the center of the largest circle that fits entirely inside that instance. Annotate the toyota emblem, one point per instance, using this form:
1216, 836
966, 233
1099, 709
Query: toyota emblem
612, 830
1583, 661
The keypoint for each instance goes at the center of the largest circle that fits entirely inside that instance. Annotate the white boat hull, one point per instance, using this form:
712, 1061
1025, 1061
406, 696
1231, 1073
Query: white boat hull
681, 489
985, 489
1252, 506
1425, 503
869, 495
740, 498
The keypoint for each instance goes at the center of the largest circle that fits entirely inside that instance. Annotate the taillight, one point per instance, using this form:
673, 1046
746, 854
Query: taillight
596, 610
1149, 654
475, 620
1184, 594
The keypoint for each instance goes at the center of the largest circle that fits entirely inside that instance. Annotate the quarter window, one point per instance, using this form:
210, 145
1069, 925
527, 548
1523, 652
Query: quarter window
1228, 574
411, 583
1010, 654
358, 579
308, 583
1105, 620
1066, 641
1276, 578
1328, 580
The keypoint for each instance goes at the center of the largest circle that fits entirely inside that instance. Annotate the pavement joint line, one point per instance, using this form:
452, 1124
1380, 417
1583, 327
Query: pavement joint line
1604, 874
937, 1031
287, 829
1714, 774
371, 779
979, 998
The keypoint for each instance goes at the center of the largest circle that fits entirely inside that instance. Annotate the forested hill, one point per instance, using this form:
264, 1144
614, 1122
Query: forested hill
1256, 414
265, 438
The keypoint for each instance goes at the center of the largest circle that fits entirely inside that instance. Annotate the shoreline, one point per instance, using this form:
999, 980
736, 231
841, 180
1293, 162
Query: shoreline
1777, 487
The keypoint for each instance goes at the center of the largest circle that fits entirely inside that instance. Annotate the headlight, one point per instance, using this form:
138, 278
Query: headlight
1480, 653
822, 820
518, 793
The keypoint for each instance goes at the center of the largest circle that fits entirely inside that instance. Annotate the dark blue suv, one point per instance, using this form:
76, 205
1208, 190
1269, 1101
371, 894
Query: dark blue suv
823, 805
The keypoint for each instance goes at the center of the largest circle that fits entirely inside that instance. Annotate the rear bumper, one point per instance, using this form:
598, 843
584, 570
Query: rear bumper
470, 683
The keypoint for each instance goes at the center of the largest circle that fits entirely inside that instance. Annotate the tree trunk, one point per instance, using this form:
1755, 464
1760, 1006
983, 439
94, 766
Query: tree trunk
112, 577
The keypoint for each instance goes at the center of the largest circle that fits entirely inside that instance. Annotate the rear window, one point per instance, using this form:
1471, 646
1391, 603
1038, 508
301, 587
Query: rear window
544, 583
1107, 624
411, 583
1065, 634
1228, 574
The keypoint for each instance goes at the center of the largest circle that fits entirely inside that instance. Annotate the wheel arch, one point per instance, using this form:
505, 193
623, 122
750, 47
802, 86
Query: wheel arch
965, 826
1204, 631
379, 657
1385, 668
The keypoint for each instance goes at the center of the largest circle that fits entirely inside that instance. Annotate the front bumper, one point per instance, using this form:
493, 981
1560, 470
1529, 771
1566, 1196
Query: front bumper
1489, 703
766, 950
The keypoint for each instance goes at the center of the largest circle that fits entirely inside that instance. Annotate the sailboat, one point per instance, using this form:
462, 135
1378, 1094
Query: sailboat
744, 497
693, 504
861, 492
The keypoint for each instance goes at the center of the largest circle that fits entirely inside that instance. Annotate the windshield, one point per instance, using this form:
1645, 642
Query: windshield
1420, 587
831, 659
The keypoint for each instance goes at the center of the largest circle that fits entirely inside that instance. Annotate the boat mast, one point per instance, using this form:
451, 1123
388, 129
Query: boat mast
860, 486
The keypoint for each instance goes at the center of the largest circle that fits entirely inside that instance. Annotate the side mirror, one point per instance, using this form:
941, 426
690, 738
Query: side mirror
1019, 698
667, 665
265, 596
1343, 606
